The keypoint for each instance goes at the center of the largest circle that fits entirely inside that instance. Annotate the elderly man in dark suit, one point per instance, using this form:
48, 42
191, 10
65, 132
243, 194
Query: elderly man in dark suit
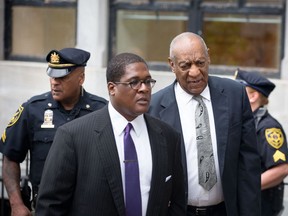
88, 170
235, 176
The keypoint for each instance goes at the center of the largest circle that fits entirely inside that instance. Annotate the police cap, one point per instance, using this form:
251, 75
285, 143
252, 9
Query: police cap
62, 62
255, 81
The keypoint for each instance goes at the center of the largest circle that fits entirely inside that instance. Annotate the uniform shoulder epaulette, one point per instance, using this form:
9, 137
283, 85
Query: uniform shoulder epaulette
38, 97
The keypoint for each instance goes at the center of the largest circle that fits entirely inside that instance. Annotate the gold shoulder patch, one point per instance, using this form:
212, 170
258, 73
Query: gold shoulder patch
16, 116
274, 137
4, 136
279, 156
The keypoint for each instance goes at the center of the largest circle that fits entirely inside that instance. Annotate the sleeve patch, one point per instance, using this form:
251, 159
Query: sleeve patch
4, 136
279, 156
16, 116
274, 137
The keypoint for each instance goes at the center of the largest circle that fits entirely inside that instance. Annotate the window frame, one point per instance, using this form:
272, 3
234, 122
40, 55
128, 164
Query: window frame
196, 10
9, 4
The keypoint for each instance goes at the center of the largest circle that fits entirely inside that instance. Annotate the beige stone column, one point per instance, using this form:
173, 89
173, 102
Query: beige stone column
92, 30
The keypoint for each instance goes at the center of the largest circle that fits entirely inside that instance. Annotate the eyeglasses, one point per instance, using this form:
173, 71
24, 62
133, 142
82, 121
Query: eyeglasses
136, 84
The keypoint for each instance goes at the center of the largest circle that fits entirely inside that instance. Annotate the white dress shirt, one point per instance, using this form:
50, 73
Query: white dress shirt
139, 134
197, 195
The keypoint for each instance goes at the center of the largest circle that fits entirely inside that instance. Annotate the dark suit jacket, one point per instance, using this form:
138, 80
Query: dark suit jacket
239, 160
82, 173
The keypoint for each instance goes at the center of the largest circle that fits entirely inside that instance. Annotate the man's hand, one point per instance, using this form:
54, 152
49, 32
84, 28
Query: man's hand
11, 178
20, 210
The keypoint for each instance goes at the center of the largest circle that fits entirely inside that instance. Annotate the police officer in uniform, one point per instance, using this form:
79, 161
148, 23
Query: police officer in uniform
272, 142
34, 124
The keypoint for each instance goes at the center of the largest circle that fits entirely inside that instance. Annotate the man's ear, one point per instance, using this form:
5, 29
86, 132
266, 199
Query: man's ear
111, 88
254, 96
82, 78
171, 63
208, 52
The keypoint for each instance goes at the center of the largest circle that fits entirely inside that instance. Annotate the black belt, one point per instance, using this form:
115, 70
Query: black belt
206, 210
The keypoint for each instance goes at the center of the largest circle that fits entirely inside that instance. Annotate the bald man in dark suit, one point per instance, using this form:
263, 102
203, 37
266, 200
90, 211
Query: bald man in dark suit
237, 162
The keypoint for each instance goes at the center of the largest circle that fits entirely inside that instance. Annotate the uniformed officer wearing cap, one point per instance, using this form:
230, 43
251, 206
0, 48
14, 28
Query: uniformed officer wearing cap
33, 126
272, 142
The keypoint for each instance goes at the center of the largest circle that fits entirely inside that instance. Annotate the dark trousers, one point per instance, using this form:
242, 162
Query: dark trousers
5, 207
216, 210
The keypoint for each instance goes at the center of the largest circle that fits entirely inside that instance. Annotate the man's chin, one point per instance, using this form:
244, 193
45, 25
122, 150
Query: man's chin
196, 91
142, 109
57, 97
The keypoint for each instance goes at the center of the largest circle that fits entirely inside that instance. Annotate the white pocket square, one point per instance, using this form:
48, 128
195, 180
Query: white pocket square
168, 178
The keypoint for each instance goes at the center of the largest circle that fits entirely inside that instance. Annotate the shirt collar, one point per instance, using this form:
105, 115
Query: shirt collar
186, 98
206, 93
119, 122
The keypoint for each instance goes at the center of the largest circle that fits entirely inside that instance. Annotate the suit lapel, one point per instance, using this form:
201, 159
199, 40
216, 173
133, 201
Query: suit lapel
159, 158
106, 146
221, 118
170, 112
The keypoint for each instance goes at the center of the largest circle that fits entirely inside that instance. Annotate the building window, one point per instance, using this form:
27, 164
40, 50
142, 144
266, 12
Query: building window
239, 33
33, 28
148, 33
246, 41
